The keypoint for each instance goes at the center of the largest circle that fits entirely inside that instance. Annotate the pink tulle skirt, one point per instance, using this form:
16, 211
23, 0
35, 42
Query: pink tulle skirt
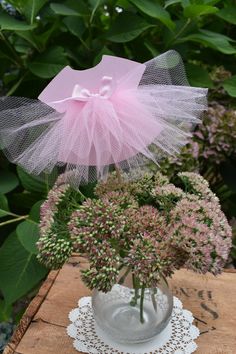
118, 113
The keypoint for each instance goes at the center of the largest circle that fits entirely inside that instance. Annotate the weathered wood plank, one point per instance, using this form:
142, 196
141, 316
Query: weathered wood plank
46, 338
30, 312
211, 299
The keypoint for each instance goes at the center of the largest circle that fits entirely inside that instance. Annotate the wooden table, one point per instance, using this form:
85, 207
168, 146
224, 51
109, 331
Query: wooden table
211, 299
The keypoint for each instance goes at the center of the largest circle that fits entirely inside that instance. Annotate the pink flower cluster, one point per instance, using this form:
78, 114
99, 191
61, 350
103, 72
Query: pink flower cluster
199, 228
149, 226
49, 207
54, 250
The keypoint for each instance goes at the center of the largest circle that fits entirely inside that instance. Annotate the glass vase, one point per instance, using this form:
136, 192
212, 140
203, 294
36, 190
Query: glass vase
133, 314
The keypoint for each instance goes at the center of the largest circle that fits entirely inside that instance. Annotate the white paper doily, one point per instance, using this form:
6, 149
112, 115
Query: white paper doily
177, 338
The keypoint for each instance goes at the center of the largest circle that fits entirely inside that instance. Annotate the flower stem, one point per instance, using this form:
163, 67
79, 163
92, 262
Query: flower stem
141, 304
154, 291
134, 300
14, 220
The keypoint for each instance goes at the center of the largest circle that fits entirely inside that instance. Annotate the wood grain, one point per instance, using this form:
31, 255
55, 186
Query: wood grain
212, 300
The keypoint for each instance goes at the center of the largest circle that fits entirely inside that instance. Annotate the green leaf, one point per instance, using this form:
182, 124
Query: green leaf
152, 48
126, 27
185, 3
95, 5
171, 2
30, 8
24, 201
155, 10
228, 14
198, 76
10, 23
211, 2
28, 230
28, 235
71, 8
5, 311
75, 25
19, 270
3, 205
61, 9
30, 183
104, 51
29, 37
230, 86
49, 64
213, 40
8, 181
195, 10
34, 214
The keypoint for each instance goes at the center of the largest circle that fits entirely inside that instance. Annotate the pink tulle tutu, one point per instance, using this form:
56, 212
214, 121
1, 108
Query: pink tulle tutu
119, 112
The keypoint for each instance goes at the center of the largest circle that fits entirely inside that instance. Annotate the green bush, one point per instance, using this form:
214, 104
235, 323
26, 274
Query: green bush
41, 37
38, 38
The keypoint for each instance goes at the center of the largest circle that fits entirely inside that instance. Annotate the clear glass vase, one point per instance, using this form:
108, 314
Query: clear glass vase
132, 314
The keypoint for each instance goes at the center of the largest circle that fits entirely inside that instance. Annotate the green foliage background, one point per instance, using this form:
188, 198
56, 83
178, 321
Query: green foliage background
39, 37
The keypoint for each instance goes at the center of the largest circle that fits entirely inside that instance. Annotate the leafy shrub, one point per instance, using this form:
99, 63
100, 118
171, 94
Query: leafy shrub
211, 152
39, 38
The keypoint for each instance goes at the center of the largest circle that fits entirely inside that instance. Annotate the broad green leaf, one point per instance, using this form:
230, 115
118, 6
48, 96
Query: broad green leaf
8, 181
81, 7
153, 9
126, 27
30, 183
230, 86
24, 201
29, 37
49, 64
95, 5
213, 40
171, 2
21, 46
28, 230
195, 10
198, 76
75, 25
228, 14
34, 214
18, 273
211, 2
152, 48
5, 311
3, 205
185, 3
104, 51
30, 8
61, 9
10, 23
28, 235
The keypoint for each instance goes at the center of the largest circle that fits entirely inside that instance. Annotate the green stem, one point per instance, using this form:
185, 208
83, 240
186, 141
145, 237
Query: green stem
141, 304
134, 300
16, 85
94, 10
182, 29
82, 195
14, 220
15, 57
154, 292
